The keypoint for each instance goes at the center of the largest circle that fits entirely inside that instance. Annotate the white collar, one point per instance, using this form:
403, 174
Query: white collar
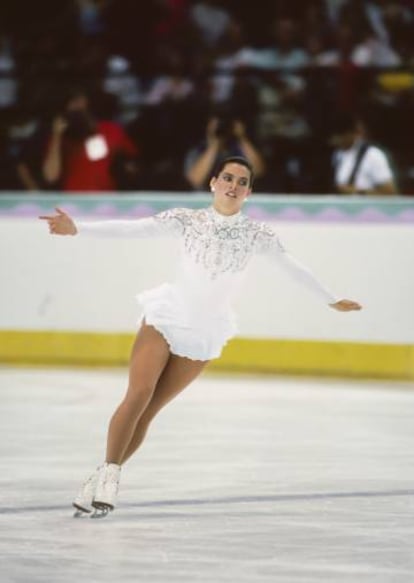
225, 218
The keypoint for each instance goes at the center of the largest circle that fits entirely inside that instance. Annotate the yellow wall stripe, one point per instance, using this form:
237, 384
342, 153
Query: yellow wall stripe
241, 354
321, 358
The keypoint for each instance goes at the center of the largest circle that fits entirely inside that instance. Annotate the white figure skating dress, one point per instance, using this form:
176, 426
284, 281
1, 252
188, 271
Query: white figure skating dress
194, 312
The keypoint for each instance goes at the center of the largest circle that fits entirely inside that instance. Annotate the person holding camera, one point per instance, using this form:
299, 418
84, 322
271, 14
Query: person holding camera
225, 137
359, 166
82, 151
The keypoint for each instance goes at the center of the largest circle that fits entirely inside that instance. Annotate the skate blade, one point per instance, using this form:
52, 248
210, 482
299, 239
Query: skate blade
79, 511
100, 513
102, 505
80, 514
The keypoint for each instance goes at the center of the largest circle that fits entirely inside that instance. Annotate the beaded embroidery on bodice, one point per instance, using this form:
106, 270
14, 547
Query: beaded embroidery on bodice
217, 242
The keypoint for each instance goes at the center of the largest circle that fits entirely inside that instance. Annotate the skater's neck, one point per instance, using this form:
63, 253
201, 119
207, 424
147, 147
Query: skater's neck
225, 212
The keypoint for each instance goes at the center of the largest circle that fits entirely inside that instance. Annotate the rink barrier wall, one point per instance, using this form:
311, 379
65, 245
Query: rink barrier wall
338, 235
278, 208
345, 359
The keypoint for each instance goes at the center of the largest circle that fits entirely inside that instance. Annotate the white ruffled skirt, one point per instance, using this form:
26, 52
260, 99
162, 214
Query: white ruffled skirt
198, 334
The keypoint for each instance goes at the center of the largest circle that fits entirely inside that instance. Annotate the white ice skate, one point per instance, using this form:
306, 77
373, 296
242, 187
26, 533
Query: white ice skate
106, 490
85, 496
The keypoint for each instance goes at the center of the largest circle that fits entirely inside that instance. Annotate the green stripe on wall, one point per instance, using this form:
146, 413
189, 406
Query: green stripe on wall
241, 354
101, 206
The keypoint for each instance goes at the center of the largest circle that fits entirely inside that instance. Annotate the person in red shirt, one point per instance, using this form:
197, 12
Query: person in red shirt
82, 151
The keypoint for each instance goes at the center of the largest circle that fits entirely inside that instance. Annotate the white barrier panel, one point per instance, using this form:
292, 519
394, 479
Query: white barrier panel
88, 284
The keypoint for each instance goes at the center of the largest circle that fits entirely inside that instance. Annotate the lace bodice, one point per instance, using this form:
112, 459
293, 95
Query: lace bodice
219, 243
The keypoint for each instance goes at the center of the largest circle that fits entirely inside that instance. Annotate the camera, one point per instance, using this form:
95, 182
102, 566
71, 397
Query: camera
225, 127
80, 126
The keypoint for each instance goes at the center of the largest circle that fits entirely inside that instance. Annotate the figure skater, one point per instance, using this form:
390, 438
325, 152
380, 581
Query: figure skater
186, 322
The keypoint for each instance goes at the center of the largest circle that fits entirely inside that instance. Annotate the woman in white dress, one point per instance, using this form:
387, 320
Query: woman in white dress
186, 322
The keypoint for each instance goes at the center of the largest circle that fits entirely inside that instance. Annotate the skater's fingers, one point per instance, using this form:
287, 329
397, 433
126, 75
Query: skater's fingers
60, 212
45, 217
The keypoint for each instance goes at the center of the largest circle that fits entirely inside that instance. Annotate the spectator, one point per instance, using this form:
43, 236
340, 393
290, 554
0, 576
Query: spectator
315, 21
231, 55
121, 82
211, 20
369, 52
171, 25
284, 132
172, 87
225, 137
82, 152
374, 52
333, 9
25, 144
344, 46
167, 117
281, 52
91, 20
8, 83
287, 53
389, 19
286, 69
359, 166
14, 137
375, 41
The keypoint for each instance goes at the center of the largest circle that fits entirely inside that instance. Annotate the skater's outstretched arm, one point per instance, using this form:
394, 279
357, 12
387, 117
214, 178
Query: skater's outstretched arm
303, 275
274, 250
169, 222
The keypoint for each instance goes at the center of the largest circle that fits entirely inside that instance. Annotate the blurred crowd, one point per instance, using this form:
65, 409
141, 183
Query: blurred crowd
104, 95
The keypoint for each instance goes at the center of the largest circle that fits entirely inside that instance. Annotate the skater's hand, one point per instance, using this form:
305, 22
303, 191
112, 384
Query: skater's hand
60, 224
346, 306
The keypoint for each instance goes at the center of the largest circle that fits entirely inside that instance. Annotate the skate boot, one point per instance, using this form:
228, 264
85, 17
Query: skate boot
83, 501
106, 490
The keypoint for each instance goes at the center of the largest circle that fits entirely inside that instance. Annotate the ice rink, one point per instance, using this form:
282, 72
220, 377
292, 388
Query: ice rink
241, 479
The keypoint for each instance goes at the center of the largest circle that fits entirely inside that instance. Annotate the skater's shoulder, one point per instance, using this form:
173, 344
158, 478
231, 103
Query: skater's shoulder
257, 226
265, 236
175, 213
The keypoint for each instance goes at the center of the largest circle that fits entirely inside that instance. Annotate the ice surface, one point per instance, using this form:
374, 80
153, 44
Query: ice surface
241, 479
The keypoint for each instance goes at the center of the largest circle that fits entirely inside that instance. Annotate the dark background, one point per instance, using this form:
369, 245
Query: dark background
117, 50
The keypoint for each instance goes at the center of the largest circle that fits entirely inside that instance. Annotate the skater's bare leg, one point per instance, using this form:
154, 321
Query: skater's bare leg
177, 374
149, 357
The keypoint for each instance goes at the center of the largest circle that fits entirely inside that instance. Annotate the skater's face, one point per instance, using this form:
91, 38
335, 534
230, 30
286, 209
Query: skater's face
231, 188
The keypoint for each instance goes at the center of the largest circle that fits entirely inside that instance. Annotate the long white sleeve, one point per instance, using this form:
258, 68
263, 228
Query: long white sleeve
303, 275
146, 227
271, 247
170, 222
